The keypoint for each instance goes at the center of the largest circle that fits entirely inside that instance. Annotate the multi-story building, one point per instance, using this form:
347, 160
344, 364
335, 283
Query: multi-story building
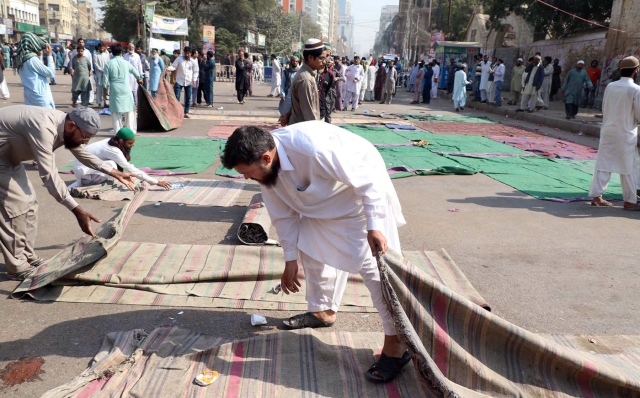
413, 36
321, 11
86, 27
58, 18
387, 13
345, 32
25, 17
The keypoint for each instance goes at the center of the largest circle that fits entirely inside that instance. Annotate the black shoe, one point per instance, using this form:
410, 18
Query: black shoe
462, 108
519, 110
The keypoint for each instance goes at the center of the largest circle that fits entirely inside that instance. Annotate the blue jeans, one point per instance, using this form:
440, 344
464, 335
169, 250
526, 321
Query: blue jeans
187, 95
476, 87
498, 87
209, 92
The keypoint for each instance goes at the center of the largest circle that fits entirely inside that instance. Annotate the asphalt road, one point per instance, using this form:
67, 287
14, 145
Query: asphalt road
547, 267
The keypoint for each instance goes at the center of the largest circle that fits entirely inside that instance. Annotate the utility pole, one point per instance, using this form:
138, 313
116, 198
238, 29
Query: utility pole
300, 29
449, 19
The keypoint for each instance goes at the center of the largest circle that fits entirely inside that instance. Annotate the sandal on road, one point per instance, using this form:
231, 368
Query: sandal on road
602, 203
387, 367
306, 320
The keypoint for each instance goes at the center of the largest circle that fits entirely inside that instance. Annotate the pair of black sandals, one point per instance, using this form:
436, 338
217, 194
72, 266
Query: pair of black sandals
383, 371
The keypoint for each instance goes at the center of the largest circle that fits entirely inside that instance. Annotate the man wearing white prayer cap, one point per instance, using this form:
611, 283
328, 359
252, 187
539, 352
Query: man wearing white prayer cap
618, 149
305, 100
572, 88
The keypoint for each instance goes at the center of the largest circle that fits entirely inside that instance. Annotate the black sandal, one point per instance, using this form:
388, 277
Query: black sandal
388, 367
306, 320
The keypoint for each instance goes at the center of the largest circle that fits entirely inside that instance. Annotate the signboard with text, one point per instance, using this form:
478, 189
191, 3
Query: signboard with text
169, 26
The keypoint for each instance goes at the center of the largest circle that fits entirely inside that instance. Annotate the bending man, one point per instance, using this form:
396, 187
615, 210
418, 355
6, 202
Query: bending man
116, 152
34, 133
331, 200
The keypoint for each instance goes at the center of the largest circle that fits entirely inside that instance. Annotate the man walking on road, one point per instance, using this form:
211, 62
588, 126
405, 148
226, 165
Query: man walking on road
116, 80
531, 82
276, 77
354, 75
618, 149
572, 89
81, 72
305, 100
335, 226
34, 133
99, 61
184, 78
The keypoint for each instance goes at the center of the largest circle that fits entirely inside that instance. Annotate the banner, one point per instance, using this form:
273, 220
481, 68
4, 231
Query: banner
8, 22
3, 29
251, 37
169, 26
208, 34
166, 45
149, 12
262, 40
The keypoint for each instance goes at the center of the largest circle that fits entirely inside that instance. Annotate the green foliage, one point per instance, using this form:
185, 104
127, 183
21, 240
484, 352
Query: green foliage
226, 42
121, 19
452, 20
546, 20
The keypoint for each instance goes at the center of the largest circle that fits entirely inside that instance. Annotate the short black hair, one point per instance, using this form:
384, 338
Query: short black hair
627, 72
312, 53
548, 59
246, 145
116, 49
80, 48
187, 49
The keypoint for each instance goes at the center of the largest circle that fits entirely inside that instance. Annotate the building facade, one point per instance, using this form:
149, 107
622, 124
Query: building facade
323, 12
58, 18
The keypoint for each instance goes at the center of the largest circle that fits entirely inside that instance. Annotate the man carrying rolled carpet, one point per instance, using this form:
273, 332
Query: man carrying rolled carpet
332, 202
34, 133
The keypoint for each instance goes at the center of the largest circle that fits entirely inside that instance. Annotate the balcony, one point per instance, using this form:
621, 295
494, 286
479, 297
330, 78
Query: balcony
53, 16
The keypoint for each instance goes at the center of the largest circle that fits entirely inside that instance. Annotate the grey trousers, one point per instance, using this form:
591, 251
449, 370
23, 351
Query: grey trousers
18, 218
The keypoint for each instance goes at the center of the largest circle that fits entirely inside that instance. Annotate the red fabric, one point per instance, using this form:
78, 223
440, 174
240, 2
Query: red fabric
481, 129
594, 74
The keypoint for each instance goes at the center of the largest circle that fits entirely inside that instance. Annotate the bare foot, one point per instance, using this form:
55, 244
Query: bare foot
393, 347
328, 316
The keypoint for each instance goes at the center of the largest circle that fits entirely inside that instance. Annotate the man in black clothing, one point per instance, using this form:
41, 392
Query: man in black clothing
326, 88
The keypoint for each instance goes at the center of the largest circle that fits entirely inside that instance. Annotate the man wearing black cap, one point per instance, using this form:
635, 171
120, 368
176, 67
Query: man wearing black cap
618, 149
34, 133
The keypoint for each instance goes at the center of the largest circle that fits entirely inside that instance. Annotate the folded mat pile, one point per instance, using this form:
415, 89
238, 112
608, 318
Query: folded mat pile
459, 350
171, 155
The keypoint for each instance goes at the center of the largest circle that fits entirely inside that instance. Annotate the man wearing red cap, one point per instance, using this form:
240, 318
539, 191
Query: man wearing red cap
618, 150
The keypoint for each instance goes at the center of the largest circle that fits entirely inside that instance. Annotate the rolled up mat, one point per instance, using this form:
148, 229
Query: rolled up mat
256, 224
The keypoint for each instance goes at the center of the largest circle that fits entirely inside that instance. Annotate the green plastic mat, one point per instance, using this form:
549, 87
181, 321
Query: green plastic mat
443, 118
416, 157
542, 178
376, 134
468, 144
192, 155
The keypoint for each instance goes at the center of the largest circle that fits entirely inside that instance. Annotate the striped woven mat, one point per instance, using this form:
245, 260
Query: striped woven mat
195, 192
224, 130
218, 276
482, 129
285, 364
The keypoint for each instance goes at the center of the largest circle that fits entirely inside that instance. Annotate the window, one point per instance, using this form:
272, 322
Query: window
473, 35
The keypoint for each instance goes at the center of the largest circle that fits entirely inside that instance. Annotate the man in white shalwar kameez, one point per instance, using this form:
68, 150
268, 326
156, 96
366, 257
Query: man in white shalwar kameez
276, 77
332, 202
134, 59
618, 149
435, 79
460, 88
484, 78
355, 76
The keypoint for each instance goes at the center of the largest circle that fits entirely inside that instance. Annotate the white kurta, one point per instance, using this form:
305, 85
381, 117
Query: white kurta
618, 150
460, 88
106, 152
353, 72
484, 76
332, 188
134, 59
276, 78
434, 83
370, 80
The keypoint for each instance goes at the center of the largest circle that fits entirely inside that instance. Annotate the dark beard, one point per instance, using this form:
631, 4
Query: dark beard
116, 142
68, 144
271, 178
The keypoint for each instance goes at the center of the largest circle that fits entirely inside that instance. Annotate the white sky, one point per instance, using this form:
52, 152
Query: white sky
367, 22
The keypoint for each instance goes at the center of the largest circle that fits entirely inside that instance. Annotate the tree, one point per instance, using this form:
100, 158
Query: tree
452, 17
121, 18
226, 42
546, 20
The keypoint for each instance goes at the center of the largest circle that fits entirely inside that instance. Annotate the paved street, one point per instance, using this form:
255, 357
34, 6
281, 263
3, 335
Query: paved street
545, 266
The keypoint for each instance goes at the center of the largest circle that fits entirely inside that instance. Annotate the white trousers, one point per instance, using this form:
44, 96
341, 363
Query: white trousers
91, 176
352, 98
129, 121
325, 286
530, 101
491, 92
629, 184
275, 86
483, 95
369, 95
362, 92
434, 90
